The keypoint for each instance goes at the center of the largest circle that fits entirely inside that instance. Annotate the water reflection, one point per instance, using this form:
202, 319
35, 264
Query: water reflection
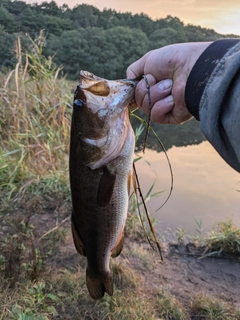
187, 134
205, 187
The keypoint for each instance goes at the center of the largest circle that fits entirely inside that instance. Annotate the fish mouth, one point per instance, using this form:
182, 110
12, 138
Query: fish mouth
99, 85
90, 76
136, 80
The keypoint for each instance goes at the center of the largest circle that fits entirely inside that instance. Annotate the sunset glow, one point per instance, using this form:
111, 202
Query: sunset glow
221, 15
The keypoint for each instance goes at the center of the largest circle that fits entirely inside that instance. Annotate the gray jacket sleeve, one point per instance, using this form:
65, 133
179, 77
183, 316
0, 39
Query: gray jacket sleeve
213, 96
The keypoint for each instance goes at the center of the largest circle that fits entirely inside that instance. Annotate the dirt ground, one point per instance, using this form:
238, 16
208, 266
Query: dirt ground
186, 274
183, 274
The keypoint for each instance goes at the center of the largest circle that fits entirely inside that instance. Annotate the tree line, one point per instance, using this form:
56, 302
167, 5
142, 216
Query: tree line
102, 42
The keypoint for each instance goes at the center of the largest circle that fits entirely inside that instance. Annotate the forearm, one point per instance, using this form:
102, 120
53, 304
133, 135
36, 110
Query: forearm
212, 95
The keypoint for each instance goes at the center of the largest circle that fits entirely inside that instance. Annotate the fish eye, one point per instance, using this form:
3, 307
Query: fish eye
78, 104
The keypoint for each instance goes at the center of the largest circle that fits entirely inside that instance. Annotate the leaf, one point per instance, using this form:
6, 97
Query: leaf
52, 297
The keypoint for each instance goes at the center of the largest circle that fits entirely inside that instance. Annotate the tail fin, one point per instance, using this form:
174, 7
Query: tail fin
98, 286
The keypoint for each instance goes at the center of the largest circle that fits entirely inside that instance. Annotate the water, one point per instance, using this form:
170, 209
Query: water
206, 189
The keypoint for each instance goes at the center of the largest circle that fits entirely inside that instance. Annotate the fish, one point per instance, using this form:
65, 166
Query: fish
101, 170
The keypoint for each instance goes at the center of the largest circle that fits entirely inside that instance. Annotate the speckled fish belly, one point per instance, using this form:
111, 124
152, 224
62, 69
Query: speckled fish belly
101, 156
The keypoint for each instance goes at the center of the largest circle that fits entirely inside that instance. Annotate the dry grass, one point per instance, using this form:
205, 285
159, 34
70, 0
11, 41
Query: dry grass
204, 307
35, 111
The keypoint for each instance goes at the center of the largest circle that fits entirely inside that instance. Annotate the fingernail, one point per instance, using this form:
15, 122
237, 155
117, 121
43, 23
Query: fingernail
165, 84
143, 84
169, 99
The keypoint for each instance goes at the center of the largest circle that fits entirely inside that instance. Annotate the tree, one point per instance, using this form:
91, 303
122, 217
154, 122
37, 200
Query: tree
53, 48
144, 23
16, 7
85, 16
194, 33
171, 22
124, 45
27, 22
96, 54
7, 20
103, 42
73, 53
166, 36
56, 25
108, 19
7, 49
49, 8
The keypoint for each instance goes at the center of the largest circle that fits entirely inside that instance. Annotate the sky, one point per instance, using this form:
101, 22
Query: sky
221, 15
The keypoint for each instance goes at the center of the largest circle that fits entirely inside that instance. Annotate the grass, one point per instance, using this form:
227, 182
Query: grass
60, 293
204, 307
224, 239
41, 275
35, 112
168, 307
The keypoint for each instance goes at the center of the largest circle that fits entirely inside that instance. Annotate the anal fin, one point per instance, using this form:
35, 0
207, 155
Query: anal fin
76, 238
118, 248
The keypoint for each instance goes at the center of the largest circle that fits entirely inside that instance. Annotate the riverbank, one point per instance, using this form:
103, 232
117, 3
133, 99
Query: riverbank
43, 277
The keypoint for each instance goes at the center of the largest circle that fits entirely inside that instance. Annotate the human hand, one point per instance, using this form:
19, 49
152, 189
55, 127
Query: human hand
167, 70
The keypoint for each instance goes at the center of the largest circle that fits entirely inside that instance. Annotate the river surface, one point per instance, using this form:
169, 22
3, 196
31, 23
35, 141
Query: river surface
205, 189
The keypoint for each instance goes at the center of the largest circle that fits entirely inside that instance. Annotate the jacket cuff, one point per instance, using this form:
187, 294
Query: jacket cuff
202, 71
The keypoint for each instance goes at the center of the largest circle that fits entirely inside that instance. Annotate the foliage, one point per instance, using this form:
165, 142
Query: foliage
168, 307
224, 239
103, 42
20, 256
35, 111
212, 309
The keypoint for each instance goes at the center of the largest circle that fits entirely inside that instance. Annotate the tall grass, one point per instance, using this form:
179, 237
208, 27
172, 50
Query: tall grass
35, 109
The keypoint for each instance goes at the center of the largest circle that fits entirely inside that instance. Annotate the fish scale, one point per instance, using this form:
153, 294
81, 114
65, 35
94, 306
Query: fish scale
100, 173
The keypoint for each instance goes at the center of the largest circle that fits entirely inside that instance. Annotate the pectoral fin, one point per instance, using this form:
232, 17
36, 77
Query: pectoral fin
77, 239
105, 188
118, 248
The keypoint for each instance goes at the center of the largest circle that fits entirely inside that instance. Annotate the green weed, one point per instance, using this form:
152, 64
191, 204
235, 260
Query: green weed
224, 239
167, 307
204, 307
34, 301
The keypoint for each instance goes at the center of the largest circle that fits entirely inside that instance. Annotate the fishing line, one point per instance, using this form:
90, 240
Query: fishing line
166, 155
137, 187
149, 113
147, 124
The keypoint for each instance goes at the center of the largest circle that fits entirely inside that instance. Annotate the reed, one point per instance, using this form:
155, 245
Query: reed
35, 111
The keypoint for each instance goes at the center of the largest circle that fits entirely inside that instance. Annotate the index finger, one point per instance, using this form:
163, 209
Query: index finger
136, 69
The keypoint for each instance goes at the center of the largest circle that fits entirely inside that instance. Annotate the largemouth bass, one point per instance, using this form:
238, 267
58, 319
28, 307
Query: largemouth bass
101, 158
